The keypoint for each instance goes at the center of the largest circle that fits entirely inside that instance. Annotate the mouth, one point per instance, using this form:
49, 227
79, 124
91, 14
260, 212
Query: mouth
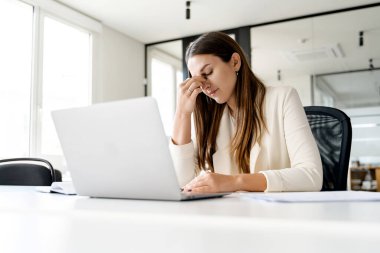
212, 93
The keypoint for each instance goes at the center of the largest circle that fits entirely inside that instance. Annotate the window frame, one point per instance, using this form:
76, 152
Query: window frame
37, 87
176, 64
72, 18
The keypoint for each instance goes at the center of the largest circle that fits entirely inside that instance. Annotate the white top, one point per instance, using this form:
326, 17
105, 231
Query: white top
288, 155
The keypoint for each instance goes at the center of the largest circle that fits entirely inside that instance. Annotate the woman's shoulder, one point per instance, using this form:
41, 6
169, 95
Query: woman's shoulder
278, 92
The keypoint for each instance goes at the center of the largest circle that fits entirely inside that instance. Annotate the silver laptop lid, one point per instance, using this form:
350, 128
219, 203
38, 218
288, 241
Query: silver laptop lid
118, 150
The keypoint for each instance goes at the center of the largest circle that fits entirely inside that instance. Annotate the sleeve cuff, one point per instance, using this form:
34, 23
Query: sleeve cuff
274, 181
183, 160
184, 151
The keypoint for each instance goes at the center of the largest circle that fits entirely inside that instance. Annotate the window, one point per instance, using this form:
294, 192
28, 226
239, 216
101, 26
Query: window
66, 78
165, 74
45, 65
16, 26
163, 78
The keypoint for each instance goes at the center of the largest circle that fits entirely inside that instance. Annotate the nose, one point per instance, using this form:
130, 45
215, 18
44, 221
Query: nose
206, 85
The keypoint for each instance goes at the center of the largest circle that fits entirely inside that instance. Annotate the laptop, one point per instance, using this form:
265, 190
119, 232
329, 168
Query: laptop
119, 150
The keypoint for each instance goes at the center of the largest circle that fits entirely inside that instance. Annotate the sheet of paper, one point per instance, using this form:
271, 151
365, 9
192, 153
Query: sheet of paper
331, 196
58, 187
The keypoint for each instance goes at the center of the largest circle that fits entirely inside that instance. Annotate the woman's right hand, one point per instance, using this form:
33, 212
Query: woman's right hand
187, 94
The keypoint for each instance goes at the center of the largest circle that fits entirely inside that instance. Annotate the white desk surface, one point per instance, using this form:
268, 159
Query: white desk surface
31, 221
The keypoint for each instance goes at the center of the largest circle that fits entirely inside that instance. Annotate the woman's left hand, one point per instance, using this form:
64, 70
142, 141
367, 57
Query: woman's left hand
210, 183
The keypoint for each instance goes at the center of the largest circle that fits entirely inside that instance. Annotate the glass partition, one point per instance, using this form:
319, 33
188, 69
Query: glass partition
332, 60
283, 54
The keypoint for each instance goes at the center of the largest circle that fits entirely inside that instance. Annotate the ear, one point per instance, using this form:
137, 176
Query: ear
235, 61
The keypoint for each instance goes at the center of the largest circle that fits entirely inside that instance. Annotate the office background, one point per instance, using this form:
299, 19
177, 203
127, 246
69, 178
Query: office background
73, 53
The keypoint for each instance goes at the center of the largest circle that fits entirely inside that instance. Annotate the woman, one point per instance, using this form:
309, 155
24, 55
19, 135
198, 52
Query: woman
248, 137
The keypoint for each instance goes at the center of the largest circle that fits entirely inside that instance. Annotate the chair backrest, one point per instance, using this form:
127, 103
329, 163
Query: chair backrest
332, 131
28, 171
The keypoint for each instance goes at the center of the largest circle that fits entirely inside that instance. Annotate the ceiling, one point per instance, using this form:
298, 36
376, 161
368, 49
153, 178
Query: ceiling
304, 47
151, 21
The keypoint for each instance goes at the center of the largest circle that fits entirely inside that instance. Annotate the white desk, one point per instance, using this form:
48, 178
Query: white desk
40, 222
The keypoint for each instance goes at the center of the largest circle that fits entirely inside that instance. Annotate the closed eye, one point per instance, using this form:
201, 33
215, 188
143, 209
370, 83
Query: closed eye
206, 75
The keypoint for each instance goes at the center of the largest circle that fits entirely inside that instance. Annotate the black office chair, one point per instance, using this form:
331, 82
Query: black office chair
28, 171
332, 131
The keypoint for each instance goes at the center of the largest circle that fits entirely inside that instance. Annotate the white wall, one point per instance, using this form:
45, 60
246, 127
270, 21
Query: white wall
118, 66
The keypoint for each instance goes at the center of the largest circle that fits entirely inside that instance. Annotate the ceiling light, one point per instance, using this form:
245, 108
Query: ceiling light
187, 9
371, 67
361, 39
303, 40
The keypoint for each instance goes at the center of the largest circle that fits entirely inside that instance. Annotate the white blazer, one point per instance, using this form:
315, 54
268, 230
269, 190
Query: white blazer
287, 155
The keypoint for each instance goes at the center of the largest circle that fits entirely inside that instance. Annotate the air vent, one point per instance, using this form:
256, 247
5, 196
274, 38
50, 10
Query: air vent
322, 53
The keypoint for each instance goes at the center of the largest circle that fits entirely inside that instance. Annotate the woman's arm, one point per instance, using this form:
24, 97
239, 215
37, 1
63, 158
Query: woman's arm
214, 182
305, 170
181, 147
186, 97
181, 128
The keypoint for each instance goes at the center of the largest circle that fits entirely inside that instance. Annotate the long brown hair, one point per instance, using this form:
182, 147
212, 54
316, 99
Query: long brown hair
250, 92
